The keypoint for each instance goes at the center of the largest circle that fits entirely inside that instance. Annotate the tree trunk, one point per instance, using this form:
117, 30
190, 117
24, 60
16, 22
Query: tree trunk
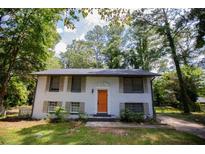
184, 97
6, 78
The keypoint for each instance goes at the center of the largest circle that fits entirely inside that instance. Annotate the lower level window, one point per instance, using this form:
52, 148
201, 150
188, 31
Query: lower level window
135, 107
52, 106
75, 107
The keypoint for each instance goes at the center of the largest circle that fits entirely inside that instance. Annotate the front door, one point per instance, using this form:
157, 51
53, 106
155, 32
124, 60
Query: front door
102, 101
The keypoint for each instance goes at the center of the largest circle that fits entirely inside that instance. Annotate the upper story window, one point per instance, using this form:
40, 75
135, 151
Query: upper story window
76, 84
54, 83
133, 85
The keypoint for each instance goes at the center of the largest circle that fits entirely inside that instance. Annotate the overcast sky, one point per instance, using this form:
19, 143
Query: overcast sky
82, 27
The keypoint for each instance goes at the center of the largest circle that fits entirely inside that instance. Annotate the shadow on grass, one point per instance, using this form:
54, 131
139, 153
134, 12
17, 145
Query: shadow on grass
72, 133
53, 133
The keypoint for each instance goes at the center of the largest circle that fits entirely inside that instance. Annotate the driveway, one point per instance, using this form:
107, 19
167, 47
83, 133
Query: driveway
182, 125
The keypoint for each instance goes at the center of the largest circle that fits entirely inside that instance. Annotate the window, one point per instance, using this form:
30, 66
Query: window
52, 106
133, 85
76, 84
54, 83
75, 107
134, 107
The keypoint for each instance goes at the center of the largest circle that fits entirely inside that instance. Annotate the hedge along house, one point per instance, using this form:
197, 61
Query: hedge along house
96, 92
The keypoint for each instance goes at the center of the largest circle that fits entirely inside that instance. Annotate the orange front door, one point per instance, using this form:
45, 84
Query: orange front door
102, 101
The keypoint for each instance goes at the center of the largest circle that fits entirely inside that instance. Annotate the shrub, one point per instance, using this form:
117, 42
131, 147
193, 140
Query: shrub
129, 116
59, 115
195, 107
83, 116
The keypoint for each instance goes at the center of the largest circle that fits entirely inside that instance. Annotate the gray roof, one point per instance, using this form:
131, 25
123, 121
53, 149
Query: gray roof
97, 72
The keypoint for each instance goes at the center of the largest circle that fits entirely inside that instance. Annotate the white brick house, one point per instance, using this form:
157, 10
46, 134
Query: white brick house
93, 91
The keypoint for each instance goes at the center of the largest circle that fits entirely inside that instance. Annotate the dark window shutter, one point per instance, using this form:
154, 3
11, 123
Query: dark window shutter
76, 84
127, 84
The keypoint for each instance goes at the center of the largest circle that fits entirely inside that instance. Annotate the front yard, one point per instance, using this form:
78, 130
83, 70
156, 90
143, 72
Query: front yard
42, 132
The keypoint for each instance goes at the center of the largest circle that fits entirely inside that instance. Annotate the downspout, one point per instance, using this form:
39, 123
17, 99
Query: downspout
154, 113
34, 97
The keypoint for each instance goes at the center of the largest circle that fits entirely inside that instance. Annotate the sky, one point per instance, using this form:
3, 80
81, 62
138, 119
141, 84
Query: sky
82, 27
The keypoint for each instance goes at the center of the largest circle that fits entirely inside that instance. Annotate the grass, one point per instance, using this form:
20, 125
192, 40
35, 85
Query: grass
198, 117
41, 132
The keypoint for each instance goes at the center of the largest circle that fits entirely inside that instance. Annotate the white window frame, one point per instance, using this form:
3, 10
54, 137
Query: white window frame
75, 107
51, 106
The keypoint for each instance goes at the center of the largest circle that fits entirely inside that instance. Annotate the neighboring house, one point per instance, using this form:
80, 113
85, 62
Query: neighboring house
201, 99
96, 92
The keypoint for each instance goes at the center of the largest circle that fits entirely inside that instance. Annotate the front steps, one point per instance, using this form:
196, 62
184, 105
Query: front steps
102, 117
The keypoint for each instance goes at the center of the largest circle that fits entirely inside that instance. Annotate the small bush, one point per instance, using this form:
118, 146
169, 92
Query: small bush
59, 115
195, 107
83, 117
129, 116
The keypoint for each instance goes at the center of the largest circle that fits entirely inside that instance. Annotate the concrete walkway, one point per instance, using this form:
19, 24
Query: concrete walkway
122, 125
182, 125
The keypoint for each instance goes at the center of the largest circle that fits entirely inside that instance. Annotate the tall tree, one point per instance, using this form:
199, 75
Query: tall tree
97, 40
53, 62
144, 46
79, 54
113, 54
198, 15
168, 22
26, 37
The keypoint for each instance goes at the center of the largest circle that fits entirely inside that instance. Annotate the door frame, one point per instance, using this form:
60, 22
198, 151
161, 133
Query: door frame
102, 88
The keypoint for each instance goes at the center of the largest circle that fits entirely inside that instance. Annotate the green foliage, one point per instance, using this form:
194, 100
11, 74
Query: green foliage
198, 14
83, 116
53, 62
17, 93
97, 38
59, 115
27, 35
166, 88
129, 116
114, 57
144, 46
78, 55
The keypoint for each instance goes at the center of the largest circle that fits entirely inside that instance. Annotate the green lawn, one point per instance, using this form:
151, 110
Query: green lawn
198, 117
22, 132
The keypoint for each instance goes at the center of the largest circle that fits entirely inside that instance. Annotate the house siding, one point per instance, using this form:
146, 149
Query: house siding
93, 84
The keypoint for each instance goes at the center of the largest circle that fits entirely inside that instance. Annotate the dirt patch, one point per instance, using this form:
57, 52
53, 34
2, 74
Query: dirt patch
21, 124
115, 131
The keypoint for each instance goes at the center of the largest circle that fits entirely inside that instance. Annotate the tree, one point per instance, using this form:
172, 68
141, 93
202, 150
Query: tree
97, 40
143, 45
198, 15
167, 90
113, 54
168, 23
17, 93
53, 62
26, 37
79, 55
